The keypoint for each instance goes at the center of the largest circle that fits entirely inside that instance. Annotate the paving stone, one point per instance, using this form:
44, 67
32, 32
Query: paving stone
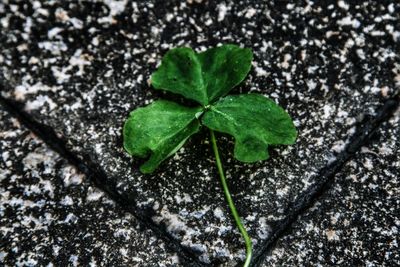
52, 215
356, 223
81, 67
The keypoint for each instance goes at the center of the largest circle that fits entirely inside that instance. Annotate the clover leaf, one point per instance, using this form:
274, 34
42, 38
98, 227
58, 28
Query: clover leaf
160, 129
203, 77
255, 121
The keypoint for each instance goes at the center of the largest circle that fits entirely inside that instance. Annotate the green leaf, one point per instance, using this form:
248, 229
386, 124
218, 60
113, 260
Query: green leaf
223, 68
180, 73
203, 77
255, 121
159, 130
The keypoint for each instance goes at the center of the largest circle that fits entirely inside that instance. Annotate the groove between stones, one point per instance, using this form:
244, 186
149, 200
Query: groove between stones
304, 201
97, 176
300, 205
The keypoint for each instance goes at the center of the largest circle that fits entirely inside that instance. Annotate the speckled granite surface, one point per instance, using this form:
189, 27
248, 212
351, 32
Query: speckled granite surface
51, 215
81, 67
355, 223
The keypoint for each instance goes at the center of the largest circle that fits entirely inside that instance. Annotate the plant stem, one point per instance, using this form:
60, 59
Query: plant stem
230, 202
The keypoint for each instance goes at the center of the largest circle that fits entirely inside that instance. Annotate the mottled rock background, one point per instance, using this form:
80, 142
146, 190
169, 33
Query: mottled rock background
76, 69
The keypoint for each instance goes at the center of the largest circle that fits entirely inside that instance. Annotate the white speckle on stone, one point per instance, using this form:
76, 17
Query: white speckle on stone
342, 114
192, 1
156, 205
177, 227
174, 259
73, 259
122, 232
343, 5
156, 31
338, 146
368, 164
327, 111
3, 255
286, 59
385, 150
185, 199
22, 47
260, 72
360, 54
222, 9
39, 102
174, 224
61, 15
77, 105
55, 47
311, 84
26, 262
282, 192
71, 176
94, 194
95, 41
223, 252
349, 21
218, 213
24, 89
76, 23
223, 230
48, 187
329, 34
396, 72
264, 229
377, 33
5, 21
290, 6
391, 8
250, 13
60, 75
32, 60
169, 16
205, 258
67, 201
250, 218
54, 32
198, 214
116, 7
109, 73
71, 218
332, 235
80, 60
98, 148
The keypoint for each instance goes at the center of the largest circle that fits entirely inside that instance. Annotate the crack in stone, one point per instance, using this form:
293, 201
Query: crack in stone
304, 201
97, 176
300, 205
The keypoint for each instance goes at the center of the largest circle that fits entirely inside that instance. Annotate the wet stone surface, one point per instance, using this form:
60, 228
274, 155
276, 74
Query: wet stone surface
51, 215
356, 223
80, 68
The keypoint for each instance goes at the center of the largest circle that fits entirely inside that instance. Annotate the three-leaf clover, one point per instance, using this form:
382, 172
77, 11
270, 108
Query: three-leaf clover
160, 129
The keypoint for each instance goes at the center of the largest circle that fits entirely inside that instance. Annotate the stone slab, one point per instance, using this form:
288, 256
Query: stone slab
355, 223
52, 215
81, 67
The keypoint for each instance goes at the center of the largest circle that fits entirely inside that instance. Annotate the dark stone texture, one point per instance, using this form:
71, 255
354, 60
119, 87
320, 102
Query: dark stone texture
81, 67
52, 215
355, 223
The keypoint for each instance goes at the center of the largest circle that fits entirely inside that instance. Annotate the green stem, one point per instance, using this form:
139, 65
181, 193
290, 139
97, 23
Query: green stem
230, 202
